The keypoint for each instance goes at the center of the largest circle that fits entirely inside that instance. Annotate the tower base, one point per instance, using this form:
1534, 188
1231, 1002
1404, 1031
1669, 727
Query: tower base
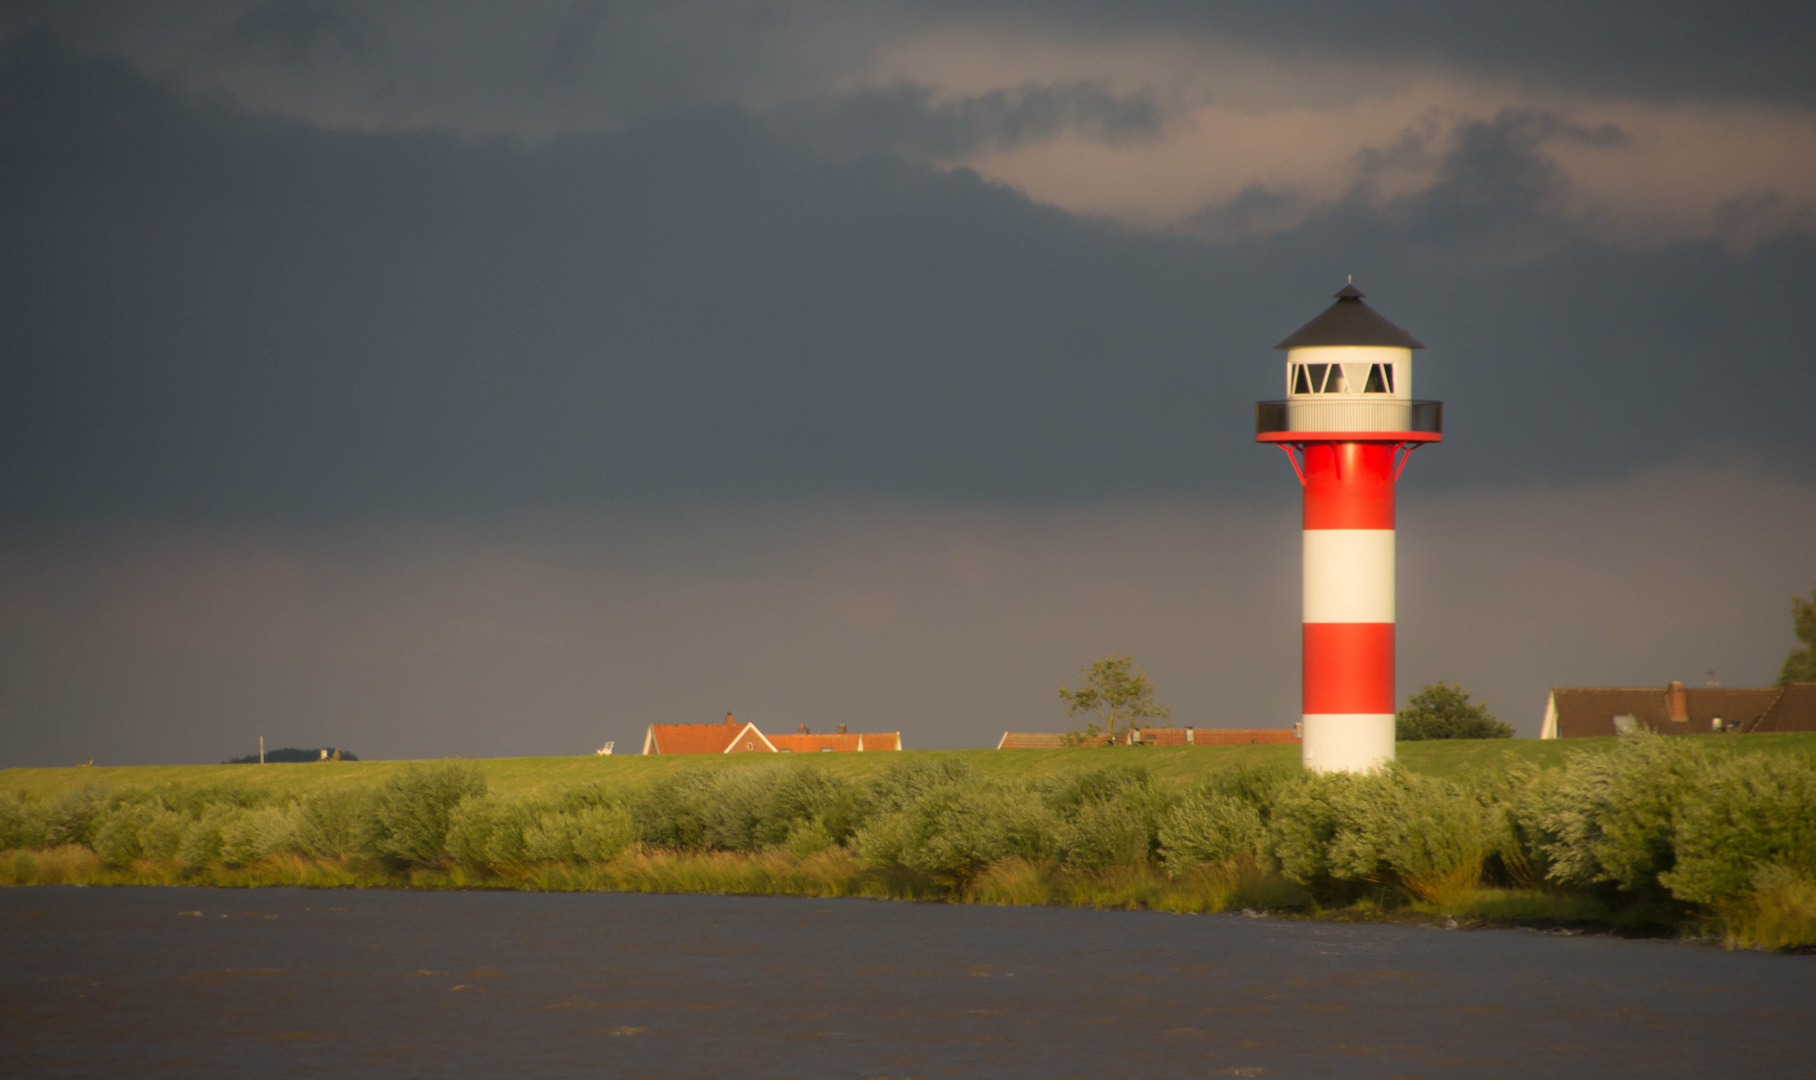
1347, 742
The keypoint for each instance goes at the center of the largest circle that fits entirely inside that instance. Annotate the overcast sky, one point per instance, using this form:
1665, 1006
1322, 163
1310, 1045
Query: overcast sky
451, 379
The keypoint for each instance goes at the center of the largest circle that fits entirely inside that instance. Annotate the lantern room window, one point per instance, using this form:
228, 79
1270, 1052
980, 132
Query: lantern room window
1332, 379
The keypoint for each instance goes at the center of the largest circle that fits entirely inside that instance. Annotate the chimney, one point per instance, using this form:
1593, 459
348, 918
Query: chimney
841, 729
728, 718
804, 730
1677, 703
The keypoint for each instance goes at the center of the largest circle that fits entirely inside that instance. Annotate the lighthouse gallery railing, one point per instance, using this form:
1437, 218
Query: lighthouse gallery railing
1349, 415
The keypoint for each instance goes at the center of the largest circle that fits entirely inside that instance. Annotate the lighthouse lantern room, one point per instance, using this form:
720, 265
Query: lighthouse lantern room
1348, 423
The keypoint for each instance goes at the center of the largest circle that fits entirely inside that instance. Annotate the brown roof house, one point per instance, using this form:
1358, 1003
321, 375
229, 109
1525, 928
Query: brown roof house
731, 737
1675, 709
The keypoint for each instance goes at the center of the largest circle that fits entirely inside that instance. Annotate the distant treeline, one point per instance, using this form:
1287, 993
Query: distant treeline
1657, 836
295, 754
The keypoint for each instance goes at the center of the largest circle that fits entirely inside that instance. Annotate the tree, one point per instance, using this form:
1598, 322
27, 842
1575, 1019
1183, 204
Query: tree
1116, 693
1443, 711
1800, 666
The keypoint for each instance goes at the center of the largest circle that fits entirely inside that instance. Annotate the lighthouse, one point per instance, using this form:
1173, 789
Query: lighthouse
1348, 423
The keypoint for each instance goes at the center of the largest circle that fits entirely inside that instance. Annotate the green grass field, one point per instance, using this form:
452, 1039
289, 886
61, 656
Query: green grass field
540, 776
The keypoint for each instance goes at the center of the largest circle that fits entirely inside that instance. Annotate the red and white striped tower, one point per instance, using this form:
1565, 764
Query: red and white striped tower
1348, 423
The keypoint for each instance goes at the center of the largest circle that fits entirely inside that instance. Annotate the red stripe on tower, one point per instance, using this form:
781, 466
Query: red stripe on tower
1349, 668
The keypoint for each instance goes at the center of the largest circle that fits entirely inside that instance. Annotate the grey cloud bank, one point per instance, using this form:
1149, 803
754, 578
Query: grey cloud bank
544, 65
210, 314
951, 623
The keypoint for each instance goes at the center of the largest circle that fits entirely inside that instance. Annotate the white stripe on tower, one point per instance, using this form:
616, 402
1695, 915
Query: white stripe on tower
1349, 576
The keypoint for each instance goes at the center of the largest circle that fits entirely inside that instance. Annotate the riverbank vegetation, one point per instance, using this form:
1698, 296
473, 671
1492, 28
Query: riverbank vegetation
1644, 835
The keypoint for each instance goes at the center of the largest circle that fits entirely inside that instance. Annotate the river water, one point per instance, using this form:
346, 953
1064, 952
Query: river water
290, 982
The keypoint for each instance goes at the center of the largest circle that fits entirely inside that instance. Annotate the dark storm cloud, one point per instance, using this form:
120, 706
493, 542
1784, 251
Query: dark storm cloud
907, 119
204, 312
1752, 48
300, 34
1498, 194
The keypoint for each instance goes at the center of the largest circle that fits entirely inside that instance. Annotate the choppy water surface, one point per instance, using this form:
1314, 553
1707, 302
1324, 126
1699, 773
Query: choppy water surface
145, 982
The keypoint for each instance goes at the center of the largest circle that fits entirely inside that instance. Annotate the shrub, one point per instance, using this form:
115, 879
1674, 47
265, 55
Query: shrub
596, 833
117, 832
333, 823
1443, 711
409, 819
809, 837
735, 815
162, 835
1746, 815
1432, 836
1107, 817
904, 784
952, 832
1517, 799
1610, 818
505, 834
75, 817
1103, 833
487, 830
1308, 816
669, 813
1211, 827
1110, 783
21, 826
205, 838
807, 794
250, 835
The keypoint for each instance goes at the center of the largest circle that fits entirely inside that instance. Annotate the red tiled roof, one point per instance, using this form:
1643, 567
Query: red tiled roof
814, 743
701, 738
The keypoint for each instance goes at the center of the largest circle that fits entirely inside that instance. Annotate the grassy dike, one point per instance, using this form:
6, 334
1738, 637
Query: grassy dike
1707, 837
1172, 765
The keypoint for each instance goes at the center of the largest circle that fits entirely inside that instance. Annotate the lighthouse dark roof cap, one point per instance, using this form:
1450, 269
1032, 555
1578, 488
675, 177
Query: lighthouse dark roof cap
1349, 322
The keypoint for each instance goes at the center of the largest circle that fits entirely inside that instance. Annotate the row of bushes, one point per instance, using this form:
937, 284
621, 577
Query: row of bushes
1657, 822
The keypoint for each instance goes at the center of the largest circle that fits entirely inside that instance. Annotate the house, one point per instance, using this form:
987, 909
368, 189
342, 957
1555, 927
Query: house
732, 737
1676, 709
1037, 740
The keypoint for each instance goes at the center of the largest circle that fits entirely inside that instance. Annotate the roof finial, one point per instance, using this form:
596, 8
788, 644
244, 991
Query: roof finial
1349, 279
